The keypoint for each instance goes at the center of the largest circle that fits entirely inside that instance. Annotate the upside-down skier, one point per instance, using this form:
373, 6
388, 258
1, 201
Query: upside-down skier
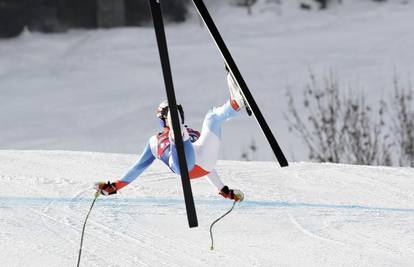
201, 149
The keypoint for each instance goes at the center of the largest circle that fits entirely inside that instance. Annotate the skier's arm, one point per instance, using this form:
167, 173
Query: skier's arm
139, 167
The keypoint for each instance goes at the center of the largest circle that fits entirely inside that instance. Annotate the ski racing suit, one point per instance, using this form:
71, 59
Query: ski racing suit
201, 149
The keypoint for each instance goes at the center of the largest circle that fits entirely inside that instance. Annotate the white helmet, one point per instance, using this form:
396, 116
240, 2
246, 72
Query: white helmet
162, 111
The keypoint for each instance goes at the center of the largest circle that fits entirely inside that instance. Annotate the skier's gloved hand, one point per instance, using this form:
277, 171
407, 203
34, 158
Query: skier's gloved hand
235, 194
238, 195
106, 188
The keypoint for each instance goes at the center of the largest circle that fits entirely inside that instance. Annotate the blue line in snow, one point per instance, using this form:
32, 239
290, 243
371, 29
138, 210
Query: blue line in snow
8, 202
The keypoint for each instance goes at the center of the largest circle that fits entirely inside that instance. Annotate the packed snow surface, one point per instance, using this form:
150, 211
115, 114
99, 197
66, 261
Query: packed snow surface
97, 90
303, 215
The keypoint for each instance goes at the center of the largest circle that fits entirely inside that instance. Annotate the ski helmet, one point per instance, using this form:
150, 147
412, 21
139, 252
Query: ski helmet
162, 112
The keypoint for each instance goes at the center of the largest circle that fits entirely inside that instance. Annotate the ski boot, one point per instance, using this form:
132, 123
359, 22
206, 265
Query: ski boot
237, 99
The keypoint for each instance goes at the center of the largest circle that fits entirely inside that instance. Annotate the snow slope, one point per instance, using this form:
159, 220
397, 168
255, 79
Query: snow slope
304, 215
97, 90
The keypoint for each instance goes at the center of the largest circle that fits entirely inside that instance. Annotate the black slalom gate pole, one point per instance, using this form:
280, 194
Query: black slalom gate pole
205, 15
172, 103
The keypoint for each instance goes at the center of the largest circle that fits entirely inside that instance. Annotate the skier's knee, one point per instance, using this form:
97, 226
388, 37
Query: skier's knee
211, 116
213, 123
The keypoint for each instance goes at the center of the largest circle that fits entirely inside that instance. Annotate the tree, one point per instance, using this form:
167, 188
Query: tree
249, 153
402, 118
175, 10
13, 17
246, 3
137, 12
338, 128
110, 13
78, 13
44, 16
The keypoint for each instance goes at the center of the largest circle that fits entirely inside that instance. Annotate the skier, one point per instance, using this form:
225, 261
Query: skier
201, 149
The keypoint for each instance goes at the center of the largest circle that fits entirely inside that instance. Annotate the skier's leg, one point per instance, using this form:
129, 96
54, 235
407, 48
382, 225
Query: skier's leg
207, 146
216, 117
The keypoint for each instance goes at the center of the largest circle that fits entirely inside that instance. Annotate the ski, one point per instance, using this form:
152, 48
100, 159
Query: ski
228, 59
172, 103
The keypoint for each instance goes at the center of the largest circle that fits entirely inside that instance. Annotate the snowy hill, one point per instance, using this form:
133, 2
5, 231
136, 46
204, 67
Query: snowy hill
97, 90
304, 215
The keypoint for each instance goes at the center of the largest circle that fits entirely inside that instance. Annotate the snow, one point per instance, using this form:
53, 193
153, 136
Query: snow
97, 90
304, 215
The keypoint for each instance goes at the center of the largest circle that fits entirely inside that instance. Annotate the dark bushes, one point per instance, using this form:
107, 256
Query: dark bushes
13, 17
60, 15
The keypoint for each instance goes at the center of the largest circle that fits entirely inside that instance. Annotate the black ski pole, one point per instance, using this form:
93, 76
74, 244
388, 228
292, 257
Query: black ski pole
218, 219
98, 192
172, 102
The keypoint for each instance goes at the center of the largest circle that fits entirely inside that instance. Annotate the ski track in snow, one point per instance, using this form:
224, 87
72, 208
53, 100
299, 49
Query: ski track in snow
360, 240
304, 215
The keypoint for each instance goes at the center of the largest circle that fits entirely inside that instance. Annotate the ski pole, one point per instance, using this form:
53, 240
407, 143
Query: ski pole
218, 219
98, 192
